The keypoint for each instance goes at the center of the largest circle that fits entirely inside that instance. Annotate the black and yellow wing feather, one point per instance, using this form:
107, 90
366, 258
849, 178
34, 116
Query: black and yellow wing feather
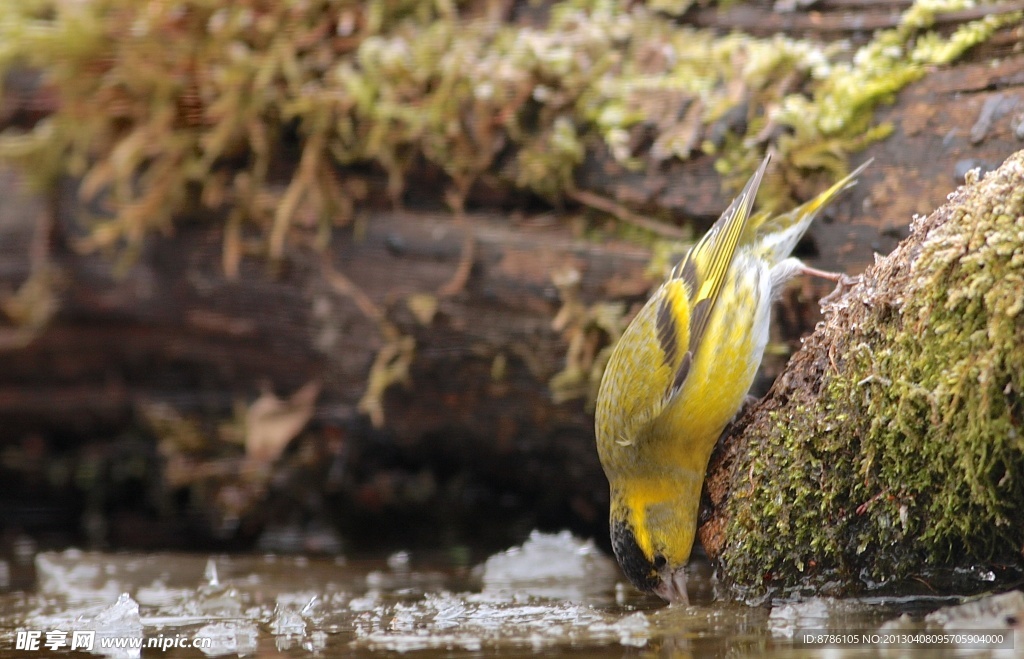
705, 267
654, 356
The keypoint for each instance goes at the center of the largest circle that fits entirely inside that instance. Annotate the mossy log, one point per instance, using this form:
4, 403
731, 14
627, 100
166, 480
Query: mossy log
893, 444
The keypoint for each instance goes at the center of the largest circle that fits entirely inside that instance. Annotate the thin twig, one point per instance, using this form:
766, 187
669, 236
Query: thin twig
622, 213
461, 275
342, 284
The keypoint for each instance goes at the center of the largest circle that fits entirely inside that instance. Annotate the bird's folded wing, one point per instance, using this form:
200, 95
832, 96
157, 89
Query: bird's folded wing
705, 267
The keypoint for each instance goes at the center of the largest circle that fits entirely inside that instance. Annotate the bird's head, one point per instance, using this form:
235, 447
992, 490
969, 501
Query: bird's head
652, 544
654, 472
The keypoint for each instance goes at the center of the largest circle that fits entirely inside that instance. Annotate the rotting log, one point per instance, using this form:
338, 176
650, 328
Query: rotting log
832, 18
174, 303
892, 446
169, 328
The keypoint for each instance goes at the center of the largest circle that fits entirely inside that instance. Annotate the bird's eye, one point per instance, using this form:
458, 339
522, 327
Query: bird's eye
659, 562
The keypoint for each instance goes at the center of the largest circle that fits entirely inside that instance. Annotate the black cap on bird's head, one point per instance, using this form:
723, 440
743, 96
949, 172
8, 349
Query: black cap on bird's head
649, 574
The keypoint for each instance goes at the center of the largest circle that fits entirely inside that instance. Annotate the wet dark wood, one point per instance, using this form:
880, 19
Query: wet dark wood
173, 315
172, 329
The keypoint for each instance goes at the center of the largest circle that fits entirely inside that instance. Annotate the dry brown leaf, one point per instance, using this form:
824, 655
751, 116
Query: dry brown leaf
270, 422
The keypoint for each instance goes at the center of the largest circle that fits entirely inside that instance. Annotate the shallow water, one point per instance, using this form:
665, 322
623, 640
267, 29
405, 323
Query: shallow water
555, 596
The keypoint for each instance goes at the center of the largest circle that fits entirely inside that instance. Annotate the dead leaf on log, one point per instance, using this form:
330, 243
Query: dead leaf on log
270, 422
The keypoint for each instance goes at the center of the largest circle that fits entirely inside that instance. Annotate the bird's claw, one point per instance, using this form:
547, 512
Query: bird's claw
844, 283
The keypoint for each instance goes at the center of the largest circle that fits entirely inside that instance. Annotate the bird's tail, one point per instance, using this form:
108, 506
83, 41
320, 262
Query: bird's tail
776, 236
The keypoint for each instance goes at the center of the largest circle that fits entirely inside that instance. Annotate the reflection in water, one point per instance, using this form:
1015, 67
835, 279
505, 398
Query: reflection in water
552, 596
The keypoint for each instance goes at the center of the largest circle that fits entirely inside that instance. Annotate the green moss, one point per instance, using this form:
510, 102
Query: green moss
837, 118
161, 104
913, 453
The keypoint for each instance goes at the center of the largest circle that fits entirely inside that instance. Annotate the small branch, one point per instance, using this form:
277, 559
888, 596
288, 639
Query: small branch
461, 275
345, 286
624, 214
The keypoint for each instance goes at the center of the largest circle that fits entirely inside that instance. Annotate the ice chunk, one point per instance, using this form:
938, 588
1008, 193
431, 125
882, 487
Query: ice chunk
159, 594
68, 574
473, 621
551, 565
399, 561
786, 620
997, 620
365, 603
287, 622
1003, 611
237, 638
634, 630
119, 624
315, 642
216, 601
542, 556
121, 616
210, 573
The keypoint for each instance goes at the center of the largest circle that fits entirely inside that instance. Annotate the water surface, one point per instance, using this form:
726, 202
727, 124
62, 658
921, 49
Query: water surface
555, 596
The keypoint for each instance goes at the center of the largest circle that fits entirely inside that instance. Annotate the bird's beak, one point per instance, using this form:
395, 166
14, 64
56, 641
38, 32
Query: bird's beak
673, 587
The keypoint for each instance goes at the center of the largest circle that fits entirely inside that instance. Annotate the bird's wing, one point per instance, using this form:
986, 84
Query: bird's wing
672, 318
653, 357
651, 361
704, 268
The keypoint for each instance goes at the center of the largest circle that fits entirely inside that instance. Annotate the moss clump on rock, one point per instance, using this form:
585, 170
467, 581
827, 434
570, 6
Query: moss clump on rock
895, 441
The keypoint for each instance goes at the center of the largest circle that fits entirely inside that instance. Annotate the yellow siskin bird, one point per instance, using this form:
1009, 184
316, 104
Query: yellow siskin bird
679, 374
